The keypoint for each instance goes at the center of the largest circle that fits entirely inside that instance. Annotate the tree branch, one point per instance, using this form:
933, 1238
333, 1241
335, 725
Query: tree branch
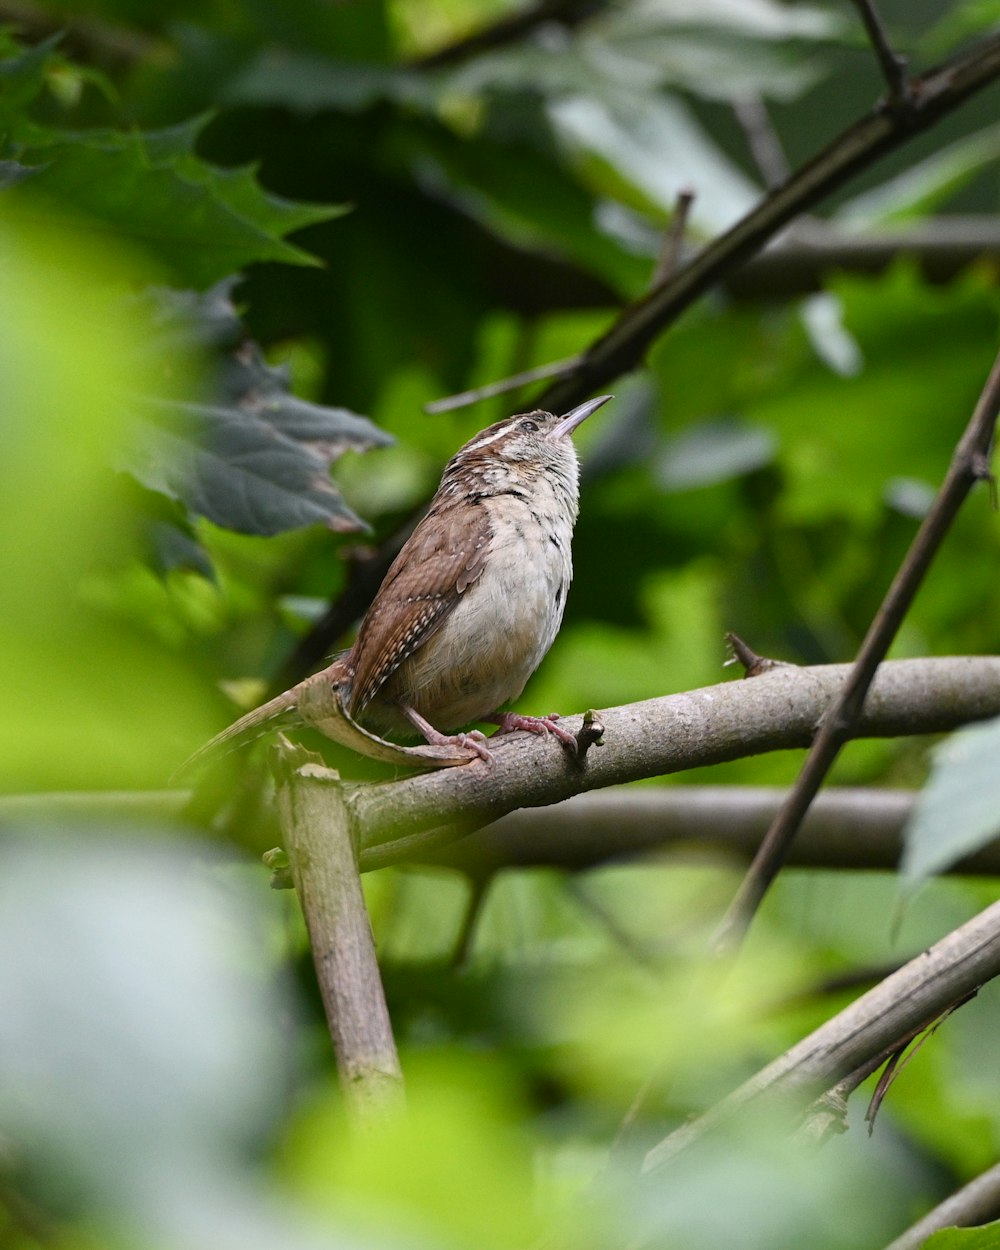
319, 840
805, 256
875, 1024
933, 96
845, 828
775, 711
968, 466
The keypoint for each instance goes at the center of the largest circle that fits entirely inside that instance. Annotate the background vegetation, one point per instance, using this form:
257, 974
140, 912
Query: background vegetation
245, 242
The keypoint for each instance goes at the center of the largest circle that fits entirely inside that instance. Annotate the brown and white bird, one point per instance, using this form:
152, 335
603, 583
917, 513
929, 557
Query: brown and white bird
472, 602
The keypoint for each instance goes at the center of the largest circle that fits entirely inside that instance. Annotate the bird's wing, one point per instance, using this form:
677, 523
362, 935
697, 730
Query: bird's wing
441, 559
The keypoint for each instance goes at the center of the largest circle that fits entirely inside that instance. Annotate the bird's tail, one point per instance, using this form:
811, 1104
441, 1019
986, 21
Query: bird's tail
276, 713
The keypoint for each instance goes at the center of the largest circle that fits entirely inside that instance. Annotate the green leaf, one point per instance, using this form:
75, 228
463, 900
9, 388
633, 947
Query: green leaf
22, 77
152, 191
924, 186
70, 712
245, 453
985, 1237
239, 470
958, 810
310, 84
654, 146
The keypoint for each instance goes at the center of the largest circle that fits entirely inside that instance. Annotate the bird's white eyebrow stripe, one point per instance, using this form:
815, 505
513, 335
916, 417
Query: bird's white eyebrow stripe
481, 441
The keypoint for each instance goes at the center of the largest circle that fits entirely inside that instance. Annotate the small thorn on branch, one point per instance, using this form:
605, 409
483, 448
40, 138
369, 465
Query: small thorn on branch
673, 239
753, 664
591, 734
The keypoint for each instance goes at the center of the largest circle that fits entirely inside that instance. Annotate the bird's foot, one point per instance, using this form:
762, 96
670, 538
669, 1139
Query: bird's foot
510, 721
474, 739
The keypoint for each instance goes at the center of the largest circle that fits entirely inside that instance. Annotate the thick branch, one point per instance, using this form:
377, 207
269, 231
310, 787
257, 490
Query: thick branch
873, 1025
318, 837
845, 828
932, 97
775, 711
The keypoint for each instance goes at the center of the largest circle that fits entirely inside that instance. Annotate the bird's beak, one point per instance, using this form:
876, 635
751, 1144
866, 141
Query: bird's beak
577, 416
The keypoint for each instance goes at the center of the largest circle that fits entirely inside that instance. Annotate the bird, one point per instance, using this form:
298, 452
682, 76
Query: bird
470, 605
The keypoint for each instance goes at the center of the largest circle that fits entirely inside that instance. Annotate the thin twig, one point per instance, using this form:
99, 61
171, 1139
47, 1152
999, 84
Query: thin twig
463, 399
478, 888
673, 238
765, 146
624, 345
892, 65
837, 725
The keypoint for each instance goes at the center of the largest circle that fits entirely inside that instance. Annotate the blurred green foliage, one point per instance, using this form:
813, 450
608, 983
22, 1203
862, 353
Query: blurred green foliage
167, 1072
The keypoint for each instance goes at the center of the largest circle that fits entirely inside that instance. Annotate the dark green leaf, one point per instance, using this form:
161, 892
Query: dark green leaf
237, 470
152, 191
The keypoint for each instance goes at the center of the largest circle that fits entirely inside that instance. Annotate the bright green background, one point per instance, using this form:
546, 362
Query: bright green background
168, 1074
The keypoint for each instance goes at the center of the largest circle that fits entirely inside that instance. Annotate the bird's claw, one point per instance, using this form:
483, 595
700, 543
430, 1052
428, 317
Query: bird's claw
508, 722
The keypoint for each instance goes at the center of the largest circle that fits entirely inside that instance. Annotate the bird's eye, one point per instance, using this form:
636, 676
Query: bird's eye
529, 427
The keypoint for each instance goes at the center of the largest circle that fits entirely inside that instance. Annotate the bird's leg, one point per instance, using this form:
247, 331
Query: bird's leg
509, 721
473, 739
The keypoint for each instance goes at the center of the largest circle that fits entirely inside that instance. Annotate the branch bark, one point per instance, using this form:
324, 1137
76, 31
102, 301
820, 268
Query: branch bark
319, 840
845, 828
933, 96
811, 250
873, 1025
775, 711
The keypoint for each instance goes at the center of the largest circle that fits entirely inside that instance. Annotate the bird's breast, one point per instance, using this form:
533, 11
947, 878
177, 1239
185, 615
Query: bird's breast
502, 625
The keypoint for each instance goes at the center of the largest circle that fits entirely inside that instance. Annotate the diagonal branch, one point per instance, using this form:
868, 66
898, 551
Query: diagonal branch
933, 96
969, 465
872, 1026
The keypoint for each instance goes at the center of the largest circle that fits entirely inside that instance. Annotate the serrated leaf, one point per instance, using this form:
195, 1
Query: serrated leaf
237, 187
151, 190
244, 452
958, 810
238, 469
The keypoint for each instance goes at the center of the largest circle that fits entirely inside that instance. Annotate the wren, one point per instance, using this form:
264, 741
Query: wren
473, 600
